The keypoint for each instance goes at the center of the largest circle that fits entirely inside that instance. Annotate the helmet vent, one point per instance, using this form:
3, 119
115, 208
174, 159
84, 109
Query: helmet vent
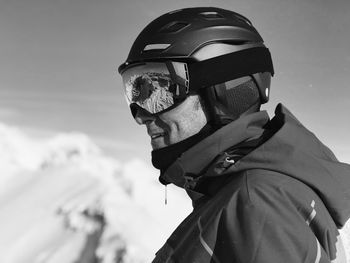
211, 15
156, 47
173, 27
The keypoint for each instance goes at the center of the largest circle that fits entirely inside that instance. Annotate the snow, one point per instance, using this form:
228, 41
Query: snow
63, 200
52, 192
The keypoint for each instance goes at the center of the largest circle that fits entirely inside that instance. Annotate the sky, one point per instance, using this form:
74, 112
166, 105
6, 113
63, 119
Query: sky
59, 60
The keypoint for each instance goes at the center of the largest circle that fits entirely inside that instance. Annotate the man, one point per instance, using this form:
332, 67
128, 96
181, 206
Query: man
262, 190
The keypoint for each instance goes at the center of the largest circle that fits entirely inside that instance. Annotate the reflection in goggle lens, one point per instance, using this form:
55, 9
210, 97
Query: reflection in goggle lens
151, 87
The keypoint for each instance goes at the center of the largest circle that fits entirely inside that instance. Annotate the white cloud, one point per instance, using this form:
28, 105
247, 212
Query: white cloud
17, 151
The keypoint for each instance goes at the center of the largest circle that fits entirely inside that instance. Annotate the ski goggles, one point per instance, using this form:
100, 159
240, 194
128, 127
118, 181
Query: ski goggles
155, 86
159, 86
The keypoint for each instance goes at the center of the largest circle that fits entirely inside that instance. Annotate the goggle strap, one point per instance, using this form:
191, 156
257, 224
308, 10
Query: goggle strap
176, 78
228, 67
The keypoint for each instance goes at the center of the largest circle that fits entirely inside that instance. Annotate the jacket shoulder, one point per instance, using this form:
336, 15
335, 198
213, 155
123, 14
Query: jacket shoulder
276, 206
261, 185
278, 217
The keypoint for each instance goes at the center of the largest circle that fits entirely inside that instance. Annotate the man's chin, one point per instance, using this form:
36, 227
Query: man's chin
158, 143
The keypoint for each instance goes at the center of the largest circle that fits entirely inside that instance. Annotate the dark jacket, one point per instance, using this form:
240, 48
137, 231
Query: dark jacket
264, 191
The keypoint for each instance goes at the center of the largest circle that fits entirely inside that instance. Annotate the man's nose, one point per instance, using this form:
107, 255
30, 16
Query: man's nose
140, 115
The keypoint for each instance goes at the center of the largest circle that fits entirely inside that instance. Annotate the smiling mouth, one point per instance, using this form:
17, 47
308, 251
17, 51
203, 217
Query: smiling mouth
155, 136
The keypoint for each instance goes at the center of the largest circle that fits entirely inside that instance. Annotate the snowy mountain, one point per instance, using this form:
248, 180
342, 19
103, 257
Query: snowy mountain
63, 200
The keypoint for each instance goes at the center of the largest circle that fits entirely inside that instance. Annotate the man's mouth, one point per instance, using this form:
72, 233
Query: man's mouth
157, 135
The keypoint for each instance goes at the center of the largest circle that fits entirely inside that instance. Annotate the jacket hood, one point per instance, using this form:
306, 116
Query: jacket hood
282, 145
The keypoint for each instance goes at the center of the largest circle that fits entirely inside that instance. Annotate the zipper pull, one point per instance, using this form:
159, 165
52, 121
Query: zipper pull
166, 196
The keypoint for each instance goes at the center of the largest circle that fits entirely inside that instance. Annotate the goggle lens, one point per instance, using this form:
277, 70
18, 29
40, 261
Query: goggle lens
153, 87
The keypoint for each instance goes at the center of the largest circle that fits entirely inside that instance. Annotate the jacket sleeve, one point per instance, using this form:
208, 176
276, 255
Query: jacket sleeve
264, 226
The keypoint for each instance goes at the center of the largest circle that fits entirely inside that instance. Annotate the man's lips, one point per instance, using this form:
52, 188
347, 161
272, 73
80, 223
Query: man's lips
157, 135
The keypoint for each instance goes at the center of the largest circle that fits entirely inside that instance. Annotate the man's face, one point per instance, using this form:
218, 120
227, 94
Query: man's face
175, 125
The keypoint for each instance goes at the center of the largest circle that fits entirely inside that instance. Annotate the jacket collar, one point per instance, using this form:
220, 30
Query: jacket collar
187, 169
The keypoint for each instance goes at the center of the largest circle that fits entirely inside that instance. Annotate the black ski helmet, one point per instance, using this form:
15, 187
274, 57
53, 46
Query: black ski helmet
225, 55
